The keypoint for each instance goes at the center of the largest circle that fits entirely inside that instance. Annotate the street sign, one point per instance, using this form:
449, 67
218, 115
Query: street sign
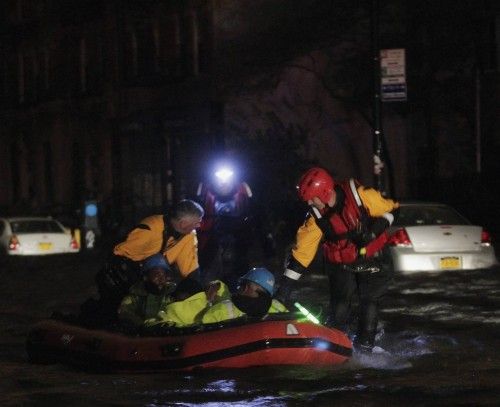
393, 75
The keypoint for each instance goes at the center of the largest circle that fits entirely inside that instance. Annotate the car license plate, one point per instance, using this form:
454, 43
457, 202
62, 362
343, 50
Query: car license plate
45, 246
450, 263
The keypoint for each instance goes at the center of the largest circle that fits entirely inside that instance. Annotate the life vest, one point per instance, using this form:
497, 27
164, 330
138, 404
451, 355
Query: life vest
352, 217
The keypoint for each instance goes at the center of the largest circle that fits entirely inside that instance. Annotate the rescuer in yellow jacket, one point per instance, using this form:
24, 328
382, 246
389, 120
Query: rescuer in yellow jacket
253, 298
172, 235
349, 222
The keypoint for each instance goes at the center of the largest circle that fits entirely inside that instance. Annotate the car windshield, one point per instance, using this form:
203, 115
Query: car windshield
35, 226
413, 215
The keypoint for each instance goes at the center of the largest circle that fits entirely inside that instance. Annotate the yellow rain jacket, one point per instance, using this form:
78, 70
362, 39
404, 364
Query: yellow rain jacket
189, 311
140, 305
147, 239
226, 309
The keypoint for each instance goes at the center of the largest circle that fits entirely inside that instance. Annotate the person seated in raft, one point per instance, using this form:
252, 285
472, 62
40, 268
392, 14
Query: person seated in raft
148, 296
189, 302
254, 297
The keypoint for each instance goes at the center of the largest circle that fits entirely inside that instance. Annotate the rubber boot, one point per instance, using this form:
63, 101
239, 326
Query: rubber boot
367, 330
339, 317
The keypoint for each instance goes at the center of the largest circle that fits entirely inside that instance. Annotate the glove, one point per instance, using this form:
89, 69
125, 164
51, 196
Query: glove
362, 238
379, 226
285, 288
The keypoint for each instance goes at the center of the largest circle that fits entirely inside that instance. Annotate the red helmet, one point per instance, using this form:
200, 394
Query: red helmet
315, 182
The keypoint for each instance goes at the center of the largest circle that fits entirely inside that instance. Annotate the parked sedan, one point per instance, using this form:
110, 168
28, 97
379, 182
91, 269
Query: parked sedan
435, 237
29, 236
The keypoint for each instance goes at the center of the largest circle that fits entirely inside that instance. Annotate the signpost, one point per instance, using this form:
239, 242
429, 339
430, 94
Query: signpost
90, 224
393, 75
389, 85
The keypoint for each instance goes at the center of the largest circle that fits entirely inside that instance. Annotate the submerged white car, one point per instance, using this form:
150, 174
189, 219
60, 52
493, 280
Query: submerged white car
35, 236
435, 237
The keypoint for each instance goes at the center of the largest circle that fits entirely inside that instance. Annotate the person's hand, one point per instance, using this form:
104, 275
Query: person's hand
211, 291
362, 236
284, 291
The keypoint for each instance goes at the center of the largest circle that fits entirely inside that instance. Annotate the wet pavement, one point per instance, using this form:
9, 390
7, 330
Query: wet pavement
439, 338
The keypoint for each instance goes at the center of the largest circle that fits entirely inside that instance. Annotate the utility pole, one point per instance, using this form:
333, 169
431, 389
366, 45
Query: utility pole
378, 164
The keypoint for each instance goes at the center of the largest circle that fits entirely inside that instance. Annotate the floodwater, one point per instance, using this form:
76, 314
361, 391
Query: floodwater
440, 333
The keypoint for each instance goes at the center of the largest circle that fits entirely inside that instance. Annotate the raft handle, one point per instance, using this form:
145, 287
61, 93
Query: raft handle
171, 349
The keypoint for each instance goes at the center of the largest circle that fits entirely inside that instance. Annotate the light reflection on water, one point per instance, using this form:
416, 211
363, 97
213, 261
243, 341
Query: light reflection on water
257, 402
440, 334
223, 386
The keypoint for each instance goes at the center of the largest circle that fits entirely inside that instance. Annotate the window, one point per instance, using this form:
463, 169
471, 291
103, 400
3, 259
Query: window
42, 74
15, 171
91, 63
140, 49
3, 78
145, 48
413, 215
170, 45
27, 92
49, 184
35, 226
11, 77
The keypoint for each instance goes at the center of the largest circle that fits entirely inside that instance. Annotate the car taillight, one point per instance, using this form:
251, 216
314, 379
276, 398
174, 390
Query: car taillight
14, 243
485, 238
74, 244
400, 238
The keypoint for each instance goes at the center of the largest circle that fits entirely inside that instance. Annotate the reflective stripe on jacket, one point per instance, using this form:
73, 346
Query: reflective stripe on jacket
221, 311
226, 309
277, 306
147, 239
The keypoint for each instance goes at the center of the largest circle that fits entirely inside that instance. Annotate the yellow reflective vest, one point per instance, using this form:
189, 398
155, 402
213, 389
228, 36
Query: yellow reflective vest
147, 239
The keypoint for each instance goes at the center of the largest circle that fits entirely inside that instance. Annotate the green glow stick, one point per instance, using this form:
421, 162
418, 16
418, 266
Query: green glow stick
306, 313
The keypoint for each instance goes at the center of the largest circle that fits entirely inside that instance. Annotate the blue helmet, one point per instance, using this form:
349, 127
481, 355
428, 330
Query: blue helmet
154, 261
262, 277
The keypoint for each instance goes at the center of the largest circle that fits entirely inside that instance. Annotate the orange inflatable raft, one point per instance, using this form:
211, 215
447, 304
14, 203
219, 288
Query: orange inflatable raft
279, 340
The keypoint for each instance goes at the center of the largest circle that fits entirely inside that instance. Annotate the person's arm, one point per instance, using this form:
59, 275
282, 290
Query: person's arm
143, 241
127, 312
307, 241
219, 312
381, 211
185, 255
375, 203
